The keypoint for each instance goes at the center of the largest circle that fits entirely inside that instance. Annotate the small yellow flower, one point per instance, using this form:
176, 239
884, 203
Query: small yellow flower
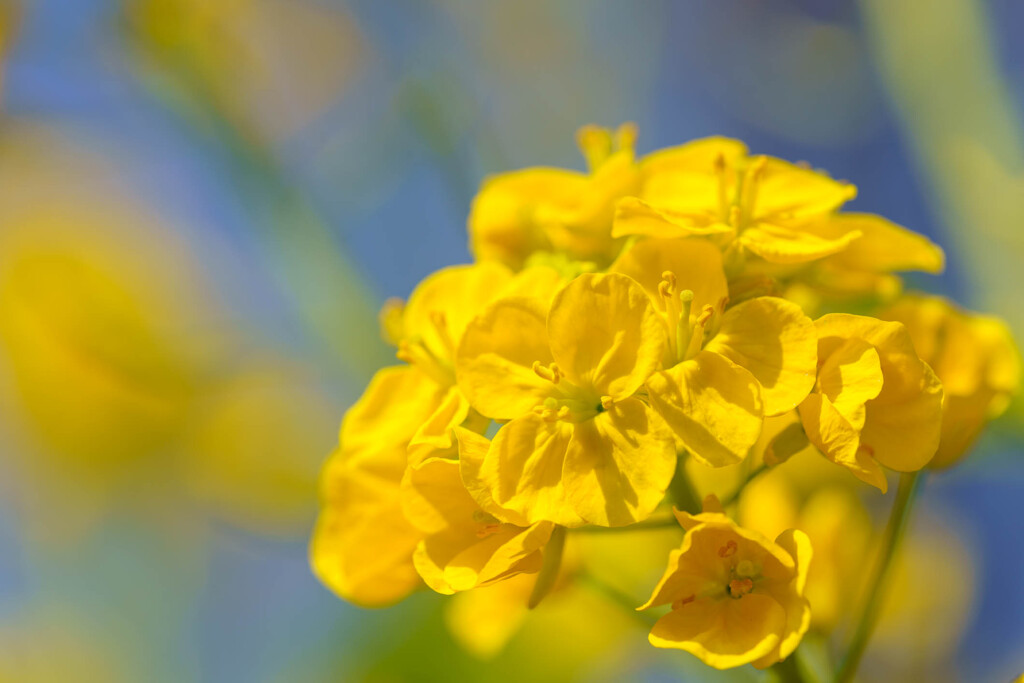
466, 546
974, 356
725, 369
736, 597
538, 209
362, 544
875, 403
579, 447
759, 204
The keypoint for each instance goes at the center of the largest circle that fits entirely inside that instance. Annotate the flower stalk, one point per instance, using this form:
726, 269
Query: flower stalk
905, 495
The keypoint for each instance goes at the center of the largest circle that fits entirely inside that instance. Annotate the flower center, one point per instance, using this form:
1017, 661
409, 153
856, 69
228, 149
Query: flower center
686, 331
738, 210
569, 403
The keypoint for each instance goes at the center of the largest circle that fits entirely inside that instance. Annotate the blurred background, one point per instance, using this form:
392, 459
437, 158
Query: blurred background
204, 202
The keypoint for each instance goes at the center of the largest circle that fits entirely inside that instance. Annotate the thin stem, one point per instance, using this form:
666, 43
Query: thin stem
615, 595
646, 525
732, 497
685, 497
894, 530
549, 568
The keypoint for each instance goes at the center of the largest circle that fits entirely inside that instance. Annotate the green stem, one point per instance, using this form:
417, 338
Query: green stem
549, 568
646, 525
615, 595
905, 494
682, 491
732, 497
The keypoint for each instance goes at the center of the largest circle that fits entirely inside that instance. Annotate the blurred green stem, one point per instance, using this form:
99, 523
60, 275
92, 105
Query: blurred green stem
734, 496
894, 530
681, 488
788, 670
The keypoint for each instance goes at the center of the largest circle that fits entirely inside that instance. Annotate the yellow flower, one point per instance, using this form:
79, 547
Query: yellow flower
838, 526
736, 597
362, 544
760, 204
538, 209
466, 546
975, 358
725, 369
579, 447
875, 403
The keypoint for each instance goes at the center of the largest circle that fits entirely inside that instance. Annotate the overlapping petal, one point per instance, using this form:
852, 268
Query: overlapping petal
605, 334
712, 405
773, 340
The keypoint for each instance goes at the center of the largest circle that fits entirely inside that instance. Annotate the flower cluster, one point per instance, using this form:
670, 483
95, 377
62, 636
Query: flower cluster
620, 327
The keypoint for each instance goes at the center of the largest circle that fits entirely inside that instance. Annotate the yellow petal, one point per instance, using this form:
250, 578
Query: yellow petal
633, 216
605, 334
511, 551
523, 470
435, 434
362, 545
788, 192
619, 464
838, 440
502, 219
473, 450
883, 246
786, 245
456, 293
433, 497
790, 596
850, 377
697, 155
723, 633
494, 364
482, 621
772, 339
902, 425
712, 405
697, 265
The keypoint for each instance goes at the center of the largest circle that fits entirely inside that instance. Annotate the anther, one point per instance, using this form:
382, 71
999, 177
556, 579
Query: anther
607, 402
728, 550
551, 372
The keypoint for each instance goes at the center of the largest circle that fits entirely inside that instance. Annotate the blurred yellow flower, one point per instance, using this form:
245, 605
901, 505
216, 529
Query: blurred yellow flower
537, 209
269, 66
736, 597
973, 355
876, 403
579, 447
838, 527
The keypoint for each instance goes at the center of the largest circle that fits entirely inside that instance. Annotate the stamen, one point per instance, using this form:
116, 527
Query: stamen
486, 530
551, 373
607, 402
751, 183
440, 322
696, 341
728, 550
723, 193
667, 290
746, 568
684, 331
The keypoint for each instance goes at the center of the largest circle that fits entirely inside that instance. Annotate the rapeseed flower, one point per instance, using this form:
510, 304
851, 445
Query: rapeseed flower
875, 403
975, 358
579, 446
736, 597
725, 368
